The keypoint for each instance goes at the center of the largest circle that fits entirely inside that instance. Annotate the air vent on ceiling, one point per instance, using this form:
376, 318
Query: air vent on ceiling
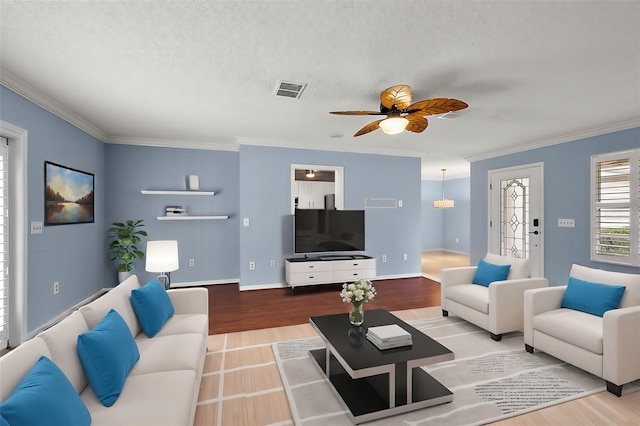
289, 89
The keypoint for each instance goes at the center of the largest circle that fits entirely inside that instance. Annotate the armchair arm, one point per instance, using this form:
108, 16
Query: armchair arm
506, 299
537, 301
454, 276
621, 345
194, 300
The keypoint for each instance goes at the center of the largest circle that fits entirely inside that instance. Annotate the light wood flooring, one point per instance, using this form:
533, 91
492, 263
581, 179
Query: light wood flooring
433, 261
242, 385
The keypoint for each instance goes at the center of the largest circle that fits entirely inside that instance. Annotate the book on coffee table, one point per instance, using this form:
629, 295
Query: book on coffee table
389, 336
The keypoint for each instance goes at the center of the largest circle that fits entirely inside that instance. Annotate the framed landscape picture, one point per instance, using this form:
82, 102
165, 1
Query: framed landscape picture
68, 195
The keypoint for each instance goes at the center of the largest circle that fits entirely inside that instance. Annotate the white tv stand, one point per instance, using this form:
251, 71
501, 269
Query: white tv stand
327, 269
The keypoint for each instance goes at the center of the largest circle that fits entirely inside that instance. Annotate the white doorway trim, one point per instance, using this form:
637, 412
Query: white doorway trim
18, 231
533, 171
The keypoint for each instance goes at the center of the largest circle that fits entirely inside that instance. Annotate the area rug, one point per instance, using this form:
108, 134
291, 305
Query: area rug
490, 380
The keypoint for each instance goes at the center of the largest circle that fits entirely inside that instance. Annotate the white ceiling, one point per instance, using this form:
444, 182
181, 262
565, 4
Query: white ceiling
204, 73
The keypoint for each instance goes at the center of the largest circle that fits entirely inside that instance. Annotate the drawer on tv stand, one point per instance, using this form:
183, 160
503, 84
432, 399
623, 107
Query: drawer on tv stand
299, 267
355, 264
316, 277
353, 275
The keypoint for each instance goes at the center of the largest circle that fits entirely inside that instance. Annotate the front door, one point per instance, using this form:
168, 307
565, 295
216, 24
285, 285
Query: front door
516, 209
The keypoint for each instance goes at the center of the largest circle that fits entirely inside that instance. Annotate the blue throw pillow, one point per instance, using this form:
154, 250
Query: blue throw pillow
44, 397
152, 306
592, 298
486, 273
107, 353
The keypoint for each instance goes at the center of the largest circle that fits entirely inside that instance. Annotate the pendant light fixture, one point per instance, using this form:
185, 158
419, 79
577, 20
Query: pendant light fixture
443, 203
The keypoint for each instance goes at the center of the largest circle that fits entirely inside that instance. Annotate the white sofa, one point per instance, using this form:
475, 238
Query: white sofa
161, 389
496, 308
607, 346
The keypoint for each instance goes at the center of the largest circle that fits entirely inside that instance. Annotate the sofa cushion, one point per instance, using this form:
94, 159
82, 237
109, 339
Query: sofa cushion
61, 339
45, 397
186, 352
183, 323
486, 273
158, 399
519, 267
575, 327
471, 295
118, 298
108, 353
17, 363
152, 306
592, 298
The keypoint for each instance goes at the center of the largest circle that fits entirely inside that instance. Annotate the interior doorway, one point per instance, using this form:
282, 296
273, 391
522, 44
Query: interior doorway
317, 187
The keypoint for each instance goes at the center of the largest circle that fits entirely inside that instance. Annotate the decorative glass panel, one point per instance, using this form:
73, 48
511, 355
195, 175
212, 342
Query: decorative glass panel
514, 217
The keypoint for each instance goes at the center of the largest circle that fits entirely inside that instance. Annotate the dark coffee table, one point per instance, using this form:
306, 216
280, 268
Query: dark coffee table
374, 383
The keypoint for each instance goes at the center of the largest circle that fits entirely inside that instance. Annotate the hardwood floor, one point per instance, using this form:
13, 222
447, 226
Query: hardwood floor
231, 310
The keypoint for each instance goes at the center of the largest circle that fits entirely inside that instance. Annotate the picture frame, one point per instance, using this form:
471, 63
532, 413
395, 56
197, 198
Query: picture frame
68, 195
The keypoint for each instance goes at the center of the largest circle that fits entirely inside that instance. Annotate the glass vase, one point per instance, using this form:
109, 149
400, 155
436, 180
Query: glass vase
356, 316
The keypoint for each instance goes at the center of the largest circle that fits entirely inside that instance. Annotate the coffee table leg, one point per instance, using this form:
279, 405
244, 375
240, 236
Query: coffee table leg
327, 361
409, 384
392, 388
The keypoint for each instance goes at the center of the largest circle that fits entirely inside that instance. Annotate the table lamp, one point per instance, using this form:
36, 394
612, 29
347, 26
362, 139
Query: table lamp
162, 258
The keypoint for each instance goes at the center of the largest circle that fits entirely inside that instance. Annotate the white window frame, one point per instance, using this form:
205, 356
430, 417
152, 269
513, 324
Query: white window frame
633, 259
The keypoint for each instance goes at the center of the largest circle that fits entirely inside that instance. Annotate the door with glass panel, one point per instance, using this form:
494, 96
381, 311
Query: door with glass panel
515, 212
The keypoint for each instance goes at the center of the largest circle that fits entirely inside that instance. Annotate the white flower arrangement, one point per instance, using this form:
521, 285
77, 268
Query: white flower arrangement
358, 292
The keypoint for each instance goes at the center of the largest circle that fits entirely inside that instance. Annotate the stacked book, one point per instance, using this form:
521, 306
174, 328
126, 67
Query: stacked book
176, 211
389, 336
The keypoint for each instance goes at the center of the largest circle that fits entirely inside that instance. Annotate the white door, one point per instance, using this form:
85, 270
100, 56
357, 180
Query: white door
516, 214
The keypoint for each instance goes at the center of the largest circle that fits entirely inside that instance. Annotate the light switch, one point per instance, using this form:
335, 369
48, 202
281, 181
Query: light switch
36, 227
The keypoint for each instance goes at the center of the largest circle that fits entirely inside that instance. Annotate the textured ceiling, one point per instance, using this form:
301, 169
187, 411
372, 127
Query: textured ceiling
204, 73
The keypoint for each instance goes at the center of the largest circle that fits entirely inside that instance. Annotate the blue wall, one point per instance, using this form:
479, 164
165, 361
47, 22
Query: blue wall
213, 244
265, 198
566, 195
441, 227
73, 255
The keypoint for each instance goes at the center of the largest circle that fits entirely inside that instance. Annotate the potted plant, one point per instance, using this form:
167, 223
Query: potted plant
125, 238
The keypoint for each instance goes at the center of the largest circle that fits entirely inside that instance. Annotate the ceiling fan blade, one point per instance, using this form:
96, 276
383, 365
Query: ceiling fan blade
436, 106
368, 128
356, 113
400, 96
417, 123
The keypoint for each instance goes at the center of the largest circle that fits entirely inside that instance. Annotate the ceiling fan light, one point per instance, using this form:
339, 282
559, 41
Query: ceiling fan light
394, 125
311, 173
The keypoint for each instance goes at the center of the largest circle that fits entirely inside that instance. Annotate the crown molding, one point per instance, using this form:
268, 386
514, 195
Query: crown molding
570, 137
16, 84
172, 143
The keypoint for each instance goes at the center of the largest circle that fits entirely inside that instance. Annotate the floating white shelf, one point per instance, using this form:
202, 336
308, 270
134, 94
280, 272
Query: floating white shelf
191, 217
148, 192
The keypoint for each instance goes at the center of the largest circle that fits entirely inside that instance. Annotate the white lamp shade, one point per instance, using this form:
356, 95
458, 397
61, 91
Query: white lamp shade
162, 256
443, 204
393, 125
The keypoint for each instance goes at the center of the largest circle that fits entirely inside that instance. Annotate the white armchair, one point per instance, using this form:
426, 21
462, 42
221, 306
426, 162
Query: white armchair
496, 308
607, 346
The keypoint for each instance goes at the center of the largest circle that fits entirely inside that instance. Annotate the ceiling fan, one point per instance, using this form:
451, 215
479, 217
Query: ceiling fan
395, 103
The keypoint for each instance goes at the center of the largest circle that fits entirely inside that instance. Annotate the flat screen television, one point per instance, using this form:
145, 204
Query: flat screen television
328, 231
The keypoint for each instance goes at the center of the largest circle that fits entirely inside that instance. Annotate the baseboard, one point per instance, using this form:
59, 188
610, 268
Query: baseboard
447, 250
204, 283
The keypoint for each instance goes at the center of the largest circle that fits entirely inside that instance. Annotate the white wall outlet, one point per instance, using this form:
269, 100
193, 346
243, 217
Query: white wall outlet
36, 227
457, 240
566, 223
399, 203
252, 266
272, 263
192, 262
245, 221
56, 287
384, 258
404, 256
